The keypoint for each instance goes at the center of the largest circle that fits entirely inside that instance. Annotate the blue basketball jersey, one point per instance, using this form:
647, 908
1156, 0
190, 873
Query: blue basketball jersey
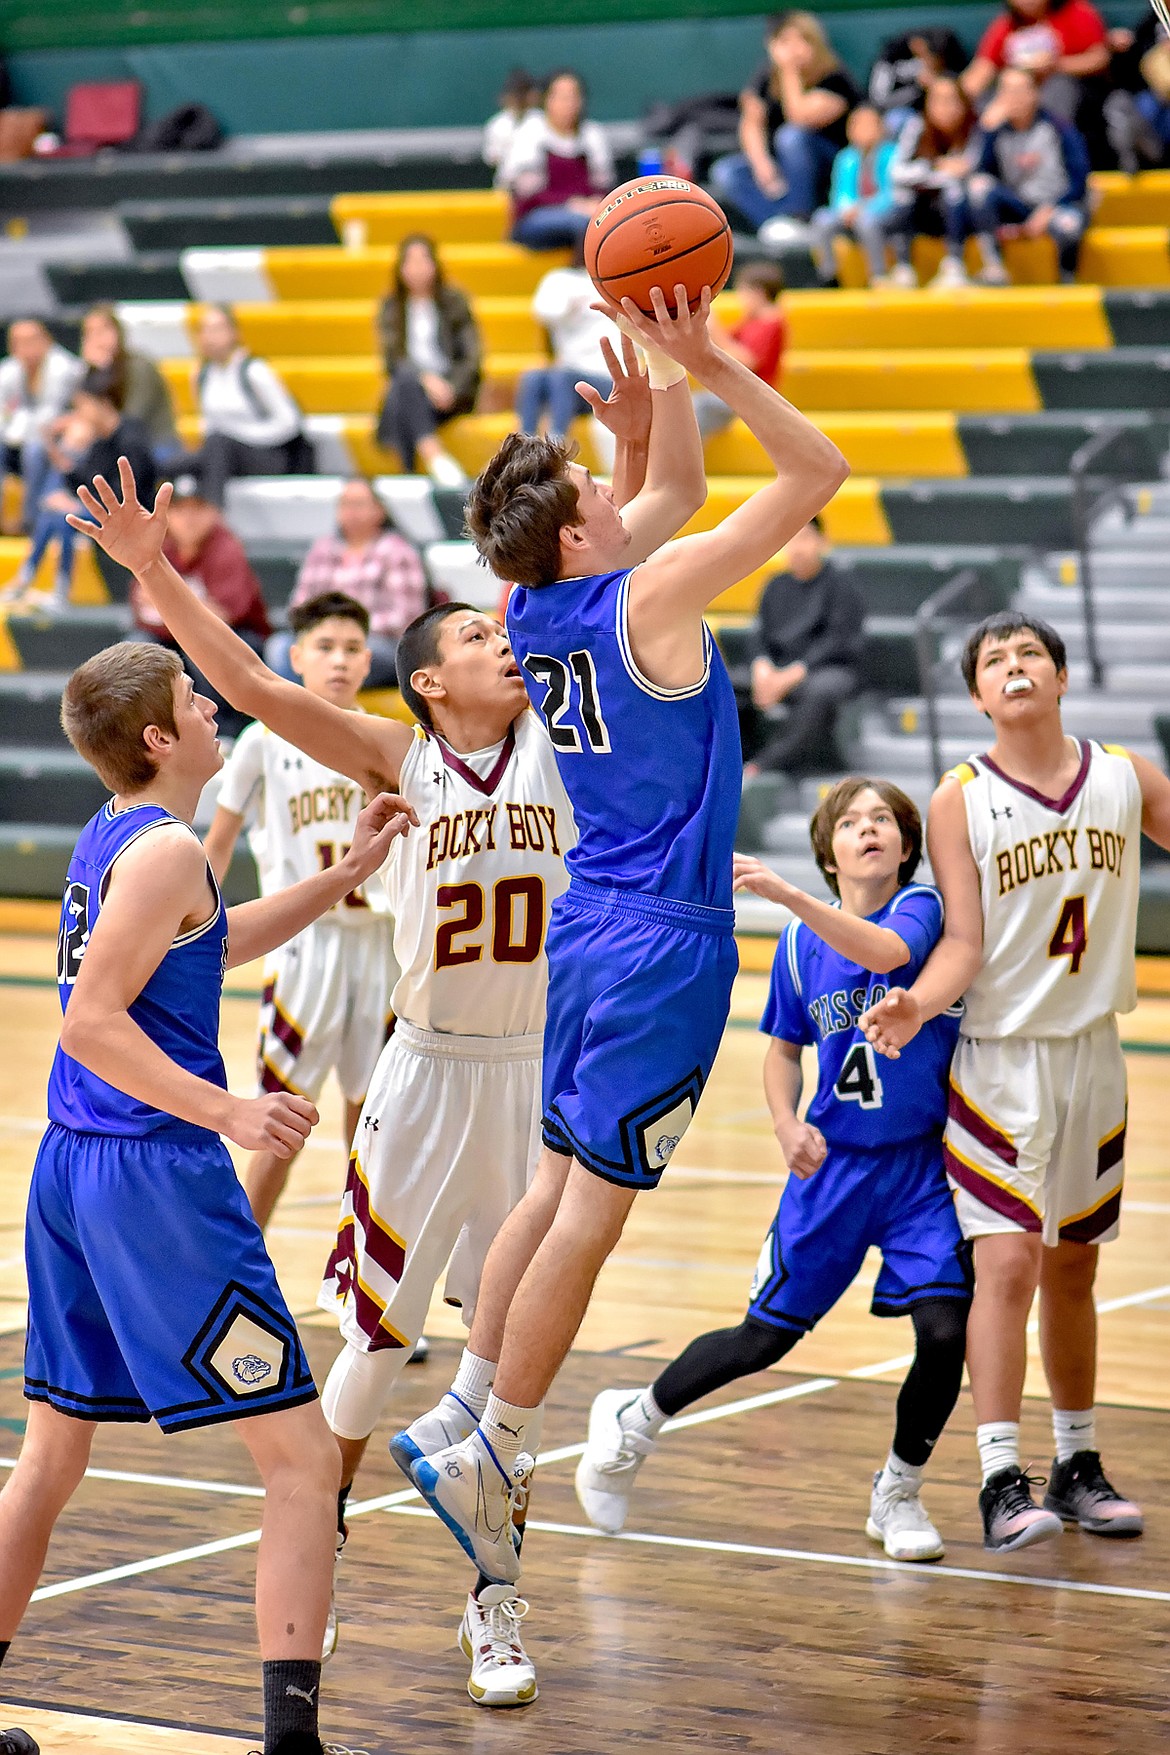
653, 774
816, 997
178, 1008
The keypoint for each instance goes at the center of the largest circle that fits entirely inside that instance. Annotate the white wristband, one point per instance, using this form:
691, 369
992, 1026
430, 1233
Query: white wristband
661, 370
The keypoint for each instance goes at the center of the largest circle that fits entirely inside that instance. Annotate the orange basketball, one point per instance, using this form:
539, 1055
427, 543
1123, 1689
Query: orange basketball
658, 231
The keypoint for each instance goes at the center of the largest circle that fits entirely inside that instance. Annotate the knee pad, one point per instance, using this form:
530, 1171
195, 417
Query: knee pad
358, 1387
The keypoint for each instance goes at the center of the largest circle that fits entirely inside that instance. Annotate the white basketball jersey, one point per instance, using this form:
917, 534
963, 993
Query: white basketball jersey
302, 817
1059, 880
470, 888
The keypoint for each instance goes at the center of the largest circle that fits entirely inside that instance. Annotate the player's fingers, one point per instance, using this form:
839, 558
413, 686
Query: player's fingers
82, 524
661, 308
162, 499
126, 478
106, 494
704, 310
302, 1108
588, 394
682, 302
630, 361
92, 505
609, 354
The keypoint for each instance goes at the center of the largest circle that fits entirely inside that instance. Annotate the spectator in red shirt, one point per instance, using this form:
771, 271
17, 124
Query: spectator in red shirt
211, 559
558, 167
1064, 45
757, 340
369, 561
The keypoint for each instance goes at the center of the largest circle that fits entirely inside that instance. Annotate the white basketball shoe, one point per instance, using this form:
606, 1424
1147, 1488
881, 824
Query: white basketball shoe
609, 1465
475, 1496
897, 1519
445, 1425
502, 1673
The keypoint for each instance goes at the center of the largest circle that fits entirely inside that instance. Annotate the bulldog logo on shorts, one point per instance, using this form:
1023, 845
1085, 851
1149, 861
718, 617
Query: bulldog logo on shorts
248, 1357
250, 1369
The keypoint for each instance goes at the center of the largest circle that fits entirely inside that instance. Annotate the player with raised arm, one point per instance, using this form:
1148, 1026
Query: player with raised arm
1035, 847
866, 1167
150, 1290
326, 1001
608, 625
451, 1124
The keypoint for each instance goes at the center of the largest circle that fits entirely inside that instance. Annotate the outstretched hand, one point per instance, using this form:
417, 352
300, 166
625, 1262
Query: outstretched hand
385, 818
681, 335
130, 534
627, 409
893, 1022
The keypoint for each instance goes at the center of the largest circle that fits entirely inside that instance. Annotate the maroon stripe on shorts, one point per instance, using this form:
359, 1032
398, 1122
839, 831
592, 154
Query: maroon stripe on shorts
1109, 1153
273, 1082
1090, 1227
1000, 1200
980, 1128
377, 1243
286, 1032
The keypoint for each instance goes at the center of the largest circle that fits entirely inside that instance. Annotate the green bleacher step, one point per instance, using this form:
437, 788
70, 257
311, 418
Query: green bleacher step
30, 708
47, 786
152, 276
55, 643
1034, 512
1138, 316
1117, 378
181, 225
1045, 444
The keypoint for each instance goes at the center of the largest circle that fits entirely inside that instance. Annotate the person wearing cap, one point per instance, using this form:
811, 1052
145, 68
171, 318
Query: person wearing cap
211, 559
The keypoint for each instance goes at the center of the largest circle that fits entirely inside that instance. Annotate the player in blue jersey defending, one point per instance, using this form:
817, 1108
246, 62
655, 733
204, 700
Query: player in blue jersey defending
866, 1167
608, 626
150, 1290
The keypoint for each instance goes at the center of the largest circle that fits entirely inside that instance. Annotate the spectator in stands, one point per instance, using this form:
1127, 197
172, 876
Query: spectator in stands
905, 69
811, 628
37, 380
1063, 43
211, 559
519, 99
934, 157
98, 400
369, 561
251, 424
860, 197
70, 437
431, 349
557, 169
1031, 177
757, 340
792, 125
145, 395
564, 306
1137, 110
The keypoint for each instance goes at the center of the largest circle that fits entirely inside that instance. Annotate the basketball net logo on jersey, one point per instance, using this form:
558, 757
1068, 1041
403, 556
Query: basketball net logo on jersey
470, 889
1059, 883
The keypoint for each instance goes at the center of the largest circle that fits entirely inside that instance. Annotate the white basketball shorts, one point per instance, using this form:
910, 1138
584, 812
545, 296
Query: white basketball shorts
1035, 1137
326, 1004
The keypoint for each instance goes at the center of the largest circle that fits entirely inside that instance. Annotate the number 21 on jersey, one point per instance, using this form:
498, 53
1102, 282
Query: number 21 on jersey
570, 685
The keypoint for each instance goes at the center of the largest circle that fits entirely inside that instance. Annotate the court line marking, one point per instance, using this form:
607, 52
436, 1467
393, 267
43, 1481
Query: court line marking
812, 1557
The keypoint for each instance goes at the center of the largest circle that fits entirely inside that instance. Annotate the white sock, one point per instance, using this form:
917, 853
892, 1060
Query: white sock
643, 1415
507, 1428
1073, 1432
473, 1380
897, 1473
999, 1446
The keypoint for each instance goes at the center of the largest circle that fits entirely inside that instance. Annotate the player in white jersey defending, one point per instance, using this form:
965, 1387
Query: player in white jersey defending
1035, 847
327, 992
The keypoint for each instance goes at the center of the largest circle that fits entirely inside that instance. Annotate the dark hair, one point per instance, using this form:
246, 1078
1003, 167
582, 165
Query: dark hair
106, 384
418, 647
108, 703
1001, 626
764, 275
387, 521
408, 243
932, 142
109, 315
519, 84
304, 617
836, 802
518, 507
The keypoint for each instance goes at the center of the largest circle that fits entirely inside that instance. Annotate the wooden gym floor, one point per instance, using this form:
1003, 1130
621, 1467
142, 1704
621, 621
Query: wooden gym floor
744, 1609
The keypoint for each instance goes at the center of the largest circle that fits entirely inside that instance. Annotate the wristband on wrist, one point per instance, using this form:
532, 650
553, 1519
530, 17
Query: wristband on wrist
661, 370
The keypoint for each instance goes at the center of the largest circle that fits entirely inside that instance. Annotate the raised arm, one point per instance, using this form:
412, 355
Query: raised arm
369, 749
958, 955
877, 948
158, 888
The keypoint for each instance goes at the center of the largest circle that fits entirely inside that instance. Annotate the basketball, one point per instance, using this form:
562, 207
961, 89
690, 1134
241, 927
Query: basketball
658, 231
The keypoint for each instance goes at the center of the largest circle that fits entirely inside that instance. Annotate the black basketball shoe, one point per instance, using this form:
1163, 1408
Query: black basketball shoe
1079, 1493
18, 1743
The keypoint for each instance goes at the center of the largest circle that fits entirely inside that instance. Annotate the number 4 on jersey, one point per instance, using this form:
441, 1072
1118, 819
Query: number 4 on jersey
1071, 937
858, 1080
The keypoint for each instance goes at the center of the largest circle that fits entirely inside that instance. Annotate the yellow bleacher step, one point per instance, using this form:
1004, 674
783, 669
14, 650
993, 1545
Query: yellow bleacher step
88, 585
1123, 201
990, 380
854, 515
969, 317
349, 326
329, 272
874, 444
467, 216
1136, 255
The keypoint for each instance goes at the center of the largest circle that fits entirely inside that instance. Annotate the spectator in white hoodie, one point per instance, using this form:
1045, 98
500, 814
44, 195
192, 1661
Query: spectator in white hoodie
564, 304
37, 381
251, 424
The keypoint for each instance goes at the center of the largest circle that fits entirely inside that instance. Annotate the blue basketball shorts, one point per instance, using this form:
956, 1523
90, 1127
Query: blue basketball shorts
150, 1291
639, 991
895, 1200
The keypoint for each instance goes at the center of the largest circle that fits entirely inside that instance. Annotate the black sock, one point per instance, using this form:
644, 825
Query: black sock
291, 1690
5, 1645
342, 1502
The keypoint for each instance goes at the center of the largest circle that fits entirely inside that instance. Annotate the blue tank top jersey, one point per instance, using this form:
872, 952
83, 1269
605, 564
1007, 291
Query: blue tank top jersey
653, 774
178, 1008
816, 997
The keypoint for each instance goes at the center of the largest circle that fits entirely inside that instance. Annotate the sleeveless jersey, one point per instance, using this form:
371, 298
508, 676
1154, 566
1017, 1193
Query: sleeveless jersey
1059, 883
816, 997
653, 774
303, 816
178, 1008
470, 888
